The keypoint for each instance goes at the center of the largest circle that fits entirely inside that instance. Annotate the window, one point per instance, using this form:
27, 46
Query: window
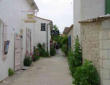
43, 27
107, 7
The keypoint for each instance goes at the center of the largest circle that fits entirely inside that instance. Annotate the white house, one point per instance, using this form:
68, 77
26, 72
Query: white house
69, 32
92, 25
86, 9
42, 32
13, 30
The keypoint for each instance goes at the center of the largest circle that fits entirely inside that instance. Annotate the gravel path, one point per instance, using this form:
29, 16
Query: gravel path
46, 71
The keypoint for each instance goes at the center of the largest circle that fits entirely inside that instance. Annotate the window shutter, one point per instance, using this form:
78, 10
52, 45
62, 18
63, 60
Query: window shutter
43, 27
107, 7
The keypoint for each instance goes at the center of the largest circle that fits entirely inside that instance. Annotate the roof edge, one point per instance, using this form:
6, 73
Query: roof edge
44, 19
96, 19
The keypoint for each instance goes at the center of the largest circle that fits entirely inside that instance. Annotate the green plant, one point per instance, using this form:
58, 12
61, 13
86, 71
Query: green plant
75, 57
71, 62
78, 53
10, 72
27, 61
52, 51
35, 56
86, 74
64, 49
42, 51
39, 45
63, 43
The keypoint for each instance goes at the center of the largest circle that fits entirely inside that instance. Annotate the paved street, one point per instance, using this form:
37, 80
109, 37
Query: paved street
46, 71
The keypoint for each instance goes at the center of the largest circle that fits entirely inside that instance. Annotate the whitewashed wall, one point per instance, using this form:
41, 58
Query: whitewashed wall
84, 9
41, 36
12, 14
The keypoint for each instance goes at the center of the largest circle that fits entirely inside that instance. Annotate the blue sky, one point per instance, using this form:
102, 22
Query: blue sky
59, 11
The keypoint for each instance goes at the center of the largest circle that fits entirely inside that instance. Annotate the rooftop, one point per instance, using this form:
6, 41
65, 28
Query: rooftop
68, 29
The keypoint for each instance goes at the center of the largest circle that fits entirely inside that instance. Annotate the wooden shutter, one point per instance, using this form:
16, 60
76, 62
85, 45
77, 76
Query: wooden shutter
107, 7
43, 26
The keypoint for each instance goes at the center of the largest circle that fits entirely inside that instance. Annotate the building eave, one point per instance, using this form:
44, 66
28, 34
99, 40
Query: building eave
68, 29
33, 4
44, 19
97, 19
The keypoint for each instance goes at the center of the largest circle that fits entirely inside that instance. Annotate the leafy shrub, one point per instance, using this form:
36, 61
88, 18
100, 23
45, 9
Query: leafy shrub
42, 51
10, 72
52, 51
63, 43
45, 54
71, 62
35, 56
77, 53
64, 40
75, 57
39, 45
86, 74
64, 49
27, 61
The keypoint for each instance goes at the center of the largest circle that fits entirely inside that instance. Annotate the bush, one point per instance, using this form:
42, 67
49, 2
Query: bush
42, 51
78, 53
27, 61
86, 74
35, 56
75, 57
64, 49
52, 51
10, 72
46, 54
39, 45
63, 43
71, 62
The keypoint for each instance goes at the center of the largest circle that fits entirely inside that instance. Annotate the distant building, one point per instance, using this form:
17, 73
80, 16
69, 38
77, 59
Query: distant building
69, 32
42, 32
86, 9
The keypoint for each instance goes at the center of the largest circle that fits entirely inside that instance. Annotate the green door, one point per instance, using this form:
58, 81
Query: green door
107, 7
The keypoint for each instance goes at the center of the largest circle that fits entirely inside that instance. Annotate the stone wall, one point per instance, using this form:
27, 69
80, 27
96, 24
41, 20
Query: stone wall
105, 52
90, 42
96, 46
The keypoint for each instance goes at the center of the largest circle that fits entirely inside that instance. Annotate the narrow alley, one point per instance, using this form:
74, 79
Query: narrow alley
46, 71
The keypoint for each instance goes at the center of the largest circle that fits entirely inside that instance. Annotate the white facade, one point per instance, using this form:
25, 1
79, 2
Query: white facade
86, 9
42, 37
12, 15
93, 31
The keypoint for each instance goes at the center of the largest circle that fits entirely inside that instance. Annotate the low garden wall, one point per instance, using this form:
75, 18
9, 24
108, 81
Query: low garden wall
95, 40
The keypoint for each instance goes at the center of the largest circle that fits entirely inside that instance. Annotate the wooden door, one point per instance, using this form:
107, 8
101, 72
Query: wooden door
18, 52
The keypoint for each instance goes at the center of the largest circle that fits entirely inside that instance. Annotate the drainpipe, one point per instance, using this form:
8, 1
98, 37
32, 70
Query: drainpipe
47, 37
